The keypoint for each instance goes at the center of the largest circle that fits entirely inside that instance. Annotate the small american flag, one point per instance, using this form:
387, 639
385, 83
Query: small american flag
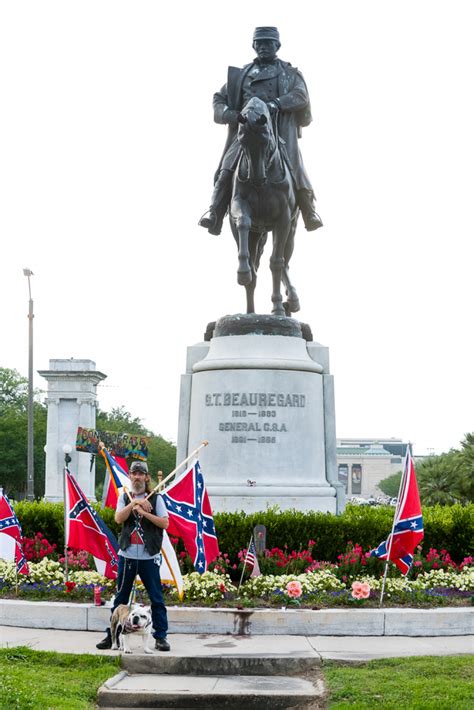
252, 561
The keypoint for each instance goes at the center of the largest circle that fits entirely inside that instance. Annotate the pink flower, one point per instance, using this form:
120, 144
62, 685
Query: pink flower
294, 589
360, 590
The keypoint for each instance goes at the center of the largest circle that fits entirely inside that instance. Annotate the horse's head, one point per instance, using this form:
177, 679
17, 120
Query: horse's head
255, 135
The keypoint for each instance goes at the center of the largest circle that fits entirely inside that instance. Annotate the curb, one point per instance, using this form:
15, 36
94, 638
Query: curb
451, 621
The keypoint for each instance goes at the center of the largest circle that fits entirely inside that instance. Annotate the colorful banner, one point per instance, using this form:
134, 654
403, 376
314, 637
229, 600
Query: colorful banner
123, 445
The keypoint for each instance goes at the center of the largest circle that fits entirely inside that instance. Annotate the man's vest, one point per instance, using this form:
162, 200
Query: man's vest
151, 534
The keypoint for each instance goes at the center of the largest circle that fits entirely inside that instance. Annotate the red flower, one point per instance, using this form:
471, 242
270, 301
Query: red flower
69, 587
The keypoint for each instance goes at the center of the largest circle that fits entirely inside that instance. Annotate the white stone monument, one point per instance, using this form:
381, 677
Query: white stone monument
72, 402
265, 403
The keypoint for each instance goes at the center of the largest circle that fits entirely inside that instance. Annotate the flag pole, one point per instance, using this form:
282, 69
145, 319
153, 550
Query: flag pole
245, 562
184, 461
66, 513
400, 488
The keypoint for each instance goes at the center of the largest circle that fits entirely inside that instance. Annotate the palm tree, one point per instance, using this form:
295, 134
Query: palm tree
437, 480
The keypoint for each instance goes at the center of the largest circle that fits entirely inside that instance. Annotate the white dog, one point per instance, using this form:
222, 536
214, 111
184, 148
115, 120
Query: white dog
130, 621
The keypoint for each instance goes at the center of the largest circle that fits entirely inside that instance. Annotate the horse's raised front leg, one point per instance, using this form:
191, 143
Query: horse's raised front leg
242, 222
277, 263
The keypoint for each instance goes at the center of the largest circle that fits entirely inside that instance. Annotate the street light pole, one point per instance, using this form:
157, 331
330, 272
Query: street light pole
67, 448
30, 465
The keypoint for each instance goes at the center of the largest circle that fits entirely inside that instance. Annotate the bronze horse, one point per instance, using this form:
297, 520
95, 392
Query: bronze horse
263, 200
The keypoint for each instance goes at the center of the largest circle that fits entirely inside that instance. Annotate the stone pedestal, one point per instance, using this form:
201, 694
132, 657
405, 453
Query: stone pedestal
265, 403
71, 401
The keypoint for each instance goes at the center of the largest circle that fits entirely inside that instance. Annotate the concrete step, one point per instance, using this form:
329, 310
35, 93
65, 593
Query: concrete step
225, 655
270, 664
217, 691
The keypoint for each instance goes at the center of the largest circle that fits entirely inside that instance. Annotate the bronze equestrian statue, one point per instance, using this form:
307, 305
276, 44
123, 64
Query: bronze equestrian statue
283, 88
263, 200
261, 178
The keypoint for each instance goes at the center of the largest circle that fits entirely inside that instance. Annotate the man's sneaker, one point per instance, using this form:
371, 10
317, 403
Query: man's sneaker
106, 643
162, 645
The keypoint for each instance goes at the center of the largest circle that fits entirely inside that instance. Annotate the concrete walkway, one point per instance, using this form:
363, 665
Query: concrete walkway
343, 648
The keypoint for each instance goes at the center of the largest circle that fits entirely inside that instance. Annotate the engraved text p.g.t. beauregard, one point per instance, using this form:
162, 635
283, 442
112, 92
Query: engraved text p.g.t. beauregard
255, 415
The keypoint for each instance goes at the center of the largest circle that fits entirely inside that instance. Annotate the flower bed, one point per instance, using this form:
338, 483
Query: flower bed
320, 588
289, 578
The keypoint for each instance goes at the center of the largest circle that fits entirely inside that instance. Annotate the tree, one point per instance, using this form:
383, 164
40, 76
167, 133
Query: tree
466, 468
448, 478
437, 480
14, 435
391, 485
161, 453
13, 390
118, 419
444, 479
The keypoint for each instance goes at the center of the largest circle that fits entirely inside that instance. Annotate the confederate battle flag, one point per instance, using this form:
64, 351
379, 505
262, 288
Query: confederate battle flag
408, 523
190, 517
10, 536
85, 530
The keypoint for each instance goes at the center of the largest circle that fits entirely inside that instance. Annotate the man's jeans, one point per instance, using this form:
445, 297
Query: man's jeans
149, 573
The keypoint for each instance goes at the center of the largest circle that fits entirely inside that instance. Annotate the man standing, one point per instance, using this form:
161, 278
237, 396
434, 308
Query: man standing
143, 521
283, 89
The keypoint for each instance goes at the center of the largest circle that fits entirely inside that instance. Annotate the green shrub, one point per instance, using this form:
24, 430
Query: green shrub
48, 518
39, 516
448, 528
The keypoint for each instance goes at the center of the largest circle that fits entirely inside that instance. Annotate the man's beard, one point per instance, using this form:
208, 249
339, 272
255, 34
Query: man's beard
139, 487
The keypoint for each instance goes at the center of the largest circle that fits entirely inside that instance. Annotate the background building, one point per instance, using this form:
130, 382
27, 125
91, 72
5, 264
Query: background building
363, 463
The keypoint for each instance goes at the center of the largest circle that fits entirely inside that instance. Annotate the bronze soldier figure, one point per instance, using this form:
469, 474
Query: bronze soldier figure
283, 88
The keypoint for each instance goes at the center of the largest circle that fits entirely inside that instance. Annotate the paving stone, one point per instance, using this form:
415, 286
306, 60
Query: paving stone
172, 691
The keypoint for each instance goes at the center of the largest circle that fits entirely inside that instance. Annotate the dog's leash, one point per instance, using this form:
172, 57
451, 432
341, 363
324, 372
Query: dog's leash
133, 593
138, 529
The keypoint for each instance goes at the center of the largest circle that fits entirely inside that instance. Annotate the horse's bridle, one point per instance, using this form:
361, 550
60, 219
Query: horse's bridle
271, 151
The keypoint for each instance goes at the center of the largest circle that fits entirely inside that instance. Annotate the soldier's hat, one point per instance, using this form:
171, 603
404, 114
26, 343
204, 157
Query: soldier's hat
266, 33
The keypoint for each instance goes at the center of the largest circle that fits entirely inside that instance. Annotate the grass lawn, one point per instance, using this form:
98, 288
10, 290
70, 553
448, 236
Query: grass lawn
426, 682
40, 680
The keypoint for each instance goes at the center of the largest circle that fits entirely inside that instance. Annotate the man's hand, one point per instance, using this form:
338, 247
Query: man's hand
229, 116
273, 107
141, 505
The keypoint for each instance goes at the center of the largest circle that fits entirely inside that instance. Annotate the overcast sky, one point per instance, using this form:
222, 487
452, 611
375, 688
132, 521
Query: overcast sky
108, 149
